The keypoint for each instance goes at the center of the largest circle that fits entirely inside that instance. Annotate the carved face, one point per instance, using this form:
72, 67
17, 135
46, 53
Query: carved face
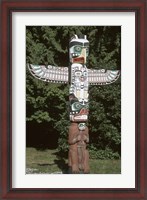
79, 82
80, 73
78, 111
79, 50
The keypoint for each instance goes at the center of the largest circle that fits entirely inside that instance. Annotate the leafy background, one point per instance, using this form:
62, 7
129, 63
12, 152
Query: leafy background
47, 104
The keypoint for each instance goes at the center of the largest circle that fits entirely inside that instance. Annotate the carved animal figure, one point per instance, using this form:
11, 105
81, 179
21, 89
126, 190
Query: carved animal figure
78, 138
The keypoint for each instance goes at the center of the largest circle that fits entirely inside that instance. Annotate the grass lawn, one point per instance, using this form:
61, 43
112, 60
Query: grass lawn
48, 161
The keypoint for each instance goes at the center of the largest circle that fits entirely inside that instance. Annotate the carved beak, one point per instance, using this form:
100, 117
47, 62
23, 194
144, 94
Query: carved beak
82, 58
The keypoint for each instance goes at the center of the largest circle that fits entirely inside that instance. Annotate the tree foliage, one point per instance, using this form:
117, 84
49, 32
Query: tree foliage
47, 102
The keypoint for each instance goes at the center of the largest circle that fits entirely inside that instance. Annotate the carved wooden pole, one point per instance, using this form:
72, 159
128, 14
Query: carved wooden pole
78, 98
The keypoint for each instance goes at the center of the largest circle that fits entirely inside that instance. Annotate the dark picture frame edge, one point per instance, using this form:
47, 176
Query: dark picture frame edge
7, 7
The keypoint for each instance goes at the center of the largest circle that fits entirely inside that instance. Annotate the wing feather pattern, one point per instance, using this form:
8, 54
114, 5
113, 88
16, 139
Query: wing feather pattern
102, 76
49, 73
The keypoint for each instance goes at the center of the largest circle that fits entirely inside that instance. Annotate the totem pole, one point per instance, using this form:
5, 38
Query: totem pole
79, 77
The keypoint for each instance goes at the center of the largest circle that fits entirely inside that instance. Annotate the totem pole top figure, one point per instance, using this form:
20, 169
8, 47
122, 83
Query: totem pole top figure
79, 49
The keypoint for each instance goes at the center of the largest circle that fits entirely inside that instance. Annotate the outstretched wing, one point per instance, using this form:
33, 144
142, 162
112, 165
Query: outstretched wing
49, 73
102, 76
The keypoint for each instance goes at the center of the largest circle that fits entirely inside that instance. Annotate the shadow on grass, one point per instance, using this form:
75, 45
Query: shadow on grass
45, 164
61, 162
62, 165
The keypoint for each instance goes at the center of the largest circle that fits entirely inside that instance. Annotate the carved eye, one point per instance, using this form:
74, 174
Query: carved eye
76, 106
85, 73
78, 73
78, 49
